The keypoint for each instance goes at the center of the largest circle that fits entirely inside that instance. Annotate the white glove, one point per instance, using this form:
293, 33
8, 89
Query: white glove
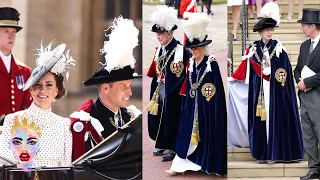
266, 71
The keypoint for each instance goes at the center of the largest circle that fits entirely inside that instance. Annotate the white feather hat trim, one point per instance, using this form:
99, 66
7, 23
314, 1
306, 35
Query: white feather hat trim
165, 17
271, 10
119, 49
195, 26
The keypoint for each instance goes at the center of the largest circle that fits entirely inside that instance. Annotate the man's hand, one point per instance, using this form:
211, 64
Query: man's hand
301, 85
307, 89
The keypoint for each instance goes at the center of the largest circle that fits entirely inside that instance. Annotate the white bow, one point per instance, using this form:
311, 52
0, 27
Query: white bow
279, 47
210, 59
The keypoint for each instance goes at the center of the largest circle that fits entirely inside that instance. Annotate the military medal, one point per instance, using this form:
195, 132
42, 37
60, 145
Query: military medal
208, 90
177, 68
281, 76
20, 81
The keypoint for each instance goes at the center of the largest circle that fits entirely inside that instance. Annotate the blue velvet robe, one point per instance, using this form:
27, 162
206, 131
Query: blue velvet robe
211, 152
285, 137
163, 128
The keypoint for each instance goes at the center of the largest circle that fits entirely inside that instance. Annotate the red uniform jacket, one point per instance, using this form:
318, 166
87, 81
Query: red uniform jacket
12, 98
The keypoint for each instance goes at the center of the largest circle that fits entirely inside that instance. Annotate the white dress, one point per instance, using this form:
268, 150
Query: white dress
235, 2
55, 141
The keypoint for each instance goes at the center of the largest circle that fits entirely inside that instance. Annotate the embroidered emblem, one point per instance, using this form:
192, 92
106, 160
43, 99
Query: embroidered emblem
281, 76
208, 90
177, 68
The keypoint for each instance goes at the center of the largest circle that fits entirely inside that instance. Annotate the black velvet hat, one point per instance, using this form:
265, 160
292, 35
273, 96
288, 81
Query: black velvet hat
9, 17
197, 43
119, 58
165, 19
103, 76
158, 28
310, 16
264, 23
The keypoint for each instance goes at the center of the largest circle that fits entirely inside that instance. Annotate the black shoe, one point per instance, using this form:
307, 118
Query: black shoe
158, 152
168, 157
310, 175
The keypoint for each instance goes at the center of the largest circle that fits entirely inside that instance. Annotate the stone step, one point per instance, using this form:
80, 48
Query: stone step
290, 45
285, 24
251, 169
282, 13
281, 34
285, 7
242, 154
239, 154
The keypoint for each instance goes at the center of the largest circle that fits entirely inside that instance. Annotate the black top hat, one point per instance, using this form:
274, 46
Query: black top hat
264, 23
9, 17
103, 76
310, 16
197, 43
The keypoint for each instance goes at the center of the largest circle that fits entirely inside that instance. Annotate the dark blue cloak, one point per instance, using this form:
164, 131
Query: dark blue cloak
211, 152
164, 127
285, 137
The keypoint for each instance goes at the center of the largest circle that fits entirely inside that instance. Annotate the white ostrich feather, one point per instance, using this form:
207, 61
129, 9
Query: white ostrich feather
119, 49
165, 17
195, 26
271, 10
65, 62
44, 54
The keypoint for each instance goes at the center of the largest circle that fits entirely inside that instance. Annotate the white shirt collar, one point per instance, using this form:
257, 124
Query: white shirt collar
4, 57
6, 60
316, 40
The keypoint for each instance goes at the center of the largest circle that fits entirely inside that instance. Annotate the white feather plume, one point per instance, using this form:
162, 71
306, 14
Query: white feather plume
195, 26
44, 54
119, 49
165, 17
65, 62
271, 10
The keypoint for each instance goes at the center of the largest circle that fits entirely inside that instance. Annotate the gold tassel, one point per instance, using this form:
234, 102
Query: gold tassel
258, 110
263, 115
194, 139
150, 105
153, 104
154, 109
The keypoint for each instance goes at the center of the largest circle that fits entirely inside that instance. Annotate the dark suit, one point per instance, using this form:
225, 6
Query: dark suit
103, 114
310, 103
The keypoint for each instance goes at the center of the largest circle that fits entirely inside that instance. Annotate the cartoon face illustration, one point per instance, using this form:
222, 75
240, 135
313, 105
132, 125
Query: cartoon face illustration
25, 141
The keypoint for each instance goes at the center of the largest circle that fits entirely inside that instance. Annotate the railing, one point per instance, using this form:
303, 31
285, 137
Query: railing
244, 29
230, 55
